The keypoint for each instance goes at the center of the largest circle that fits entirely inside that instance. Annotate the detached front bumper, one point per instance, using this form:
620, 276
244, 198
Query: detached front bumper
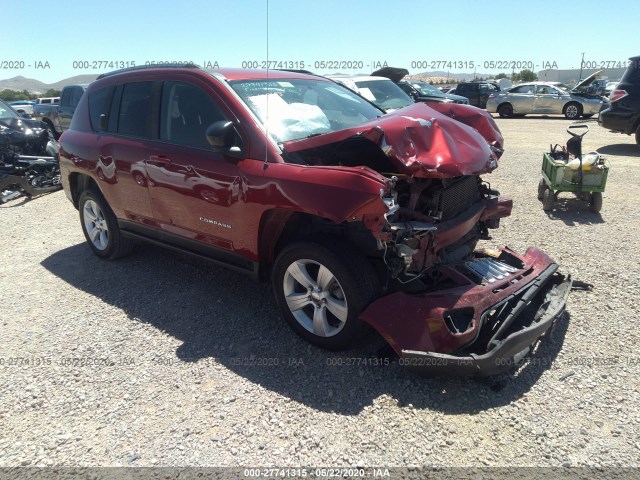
481, 327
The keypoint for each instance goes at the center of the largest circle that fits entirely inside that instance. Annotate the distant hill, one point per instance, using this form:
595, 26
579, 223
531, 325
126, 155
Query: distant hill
36, 86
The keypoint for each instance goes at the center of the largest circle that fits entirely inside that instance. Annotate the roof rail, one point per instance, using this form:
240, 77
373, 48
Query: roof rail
145, 67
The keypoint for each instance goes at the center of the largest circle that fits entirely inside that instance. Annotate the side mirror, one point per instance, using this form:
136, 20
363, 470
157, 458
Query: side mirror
222, 136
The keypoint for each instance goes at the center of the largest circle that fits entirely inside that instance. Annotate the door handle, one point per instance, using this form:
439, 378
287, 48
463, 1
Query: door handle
159, 159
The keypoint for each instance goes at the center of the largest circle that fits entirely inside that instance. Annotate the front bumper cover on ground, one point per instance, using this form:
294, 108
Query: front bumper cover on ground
502, 357
419, 327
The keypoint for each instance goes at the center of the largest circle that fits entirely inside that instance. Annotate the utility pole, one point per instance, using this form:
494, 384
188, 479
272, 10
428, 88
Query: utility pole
581, 65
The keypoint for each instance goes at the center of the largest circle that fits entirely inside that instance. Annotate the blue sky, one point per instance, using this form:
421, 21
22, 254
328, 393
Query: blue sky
410, 34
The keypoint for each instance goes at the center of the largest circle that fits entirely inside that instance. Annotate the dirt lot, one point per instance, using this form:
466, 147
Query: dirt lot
158, 359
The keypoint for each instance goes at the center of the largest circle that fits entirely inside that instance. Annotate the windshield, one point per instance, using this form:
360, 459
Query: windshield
294, 109
427, 89
6, 112
384, 93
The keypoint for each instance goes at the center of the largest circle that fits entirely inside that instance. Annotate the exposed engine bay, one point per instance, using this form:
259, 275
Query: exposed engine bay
432, 223
28, 159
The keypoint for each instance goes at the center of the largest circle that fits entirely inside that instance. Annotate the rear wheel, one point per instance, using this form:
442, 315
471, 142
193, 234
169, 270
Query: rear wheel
595, 203
572, 110
505, 111
100, 227
542, 187
548, 199
322, 288
638, 135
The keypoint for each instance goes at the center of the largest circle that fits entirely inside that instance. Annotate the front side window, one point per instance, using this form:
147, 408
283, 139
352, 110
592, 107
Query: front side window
186, 113
294, 109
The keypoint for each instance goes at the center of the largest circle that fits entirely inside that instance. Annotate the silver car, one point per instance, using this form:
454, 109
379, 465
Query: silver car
546, 98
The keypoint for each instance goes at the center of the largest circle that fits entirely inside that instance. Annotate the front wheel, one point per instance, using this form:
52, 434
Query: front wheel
321, 289
100, 227
548, 199
595, 202
572, 110
638, 135
542, 187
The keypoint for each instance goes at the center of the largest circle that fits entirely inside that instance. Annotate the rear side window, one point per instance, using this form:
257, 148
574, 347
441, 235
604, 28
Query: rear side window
522, 89
134, 117
99, 105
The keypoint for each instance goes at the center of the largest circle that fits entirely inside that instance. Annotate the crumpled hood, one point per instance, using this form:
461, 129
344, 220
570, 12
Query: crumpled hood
437, 141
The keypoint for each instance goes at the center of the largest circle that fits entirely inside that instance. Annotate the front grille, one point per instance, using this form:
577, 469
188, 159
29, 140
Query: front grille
457, 197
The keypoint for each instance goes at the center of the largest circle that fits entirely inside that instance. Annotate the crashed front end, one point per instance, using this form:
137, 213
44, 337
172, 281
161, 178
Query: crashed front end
452, 308
449, 308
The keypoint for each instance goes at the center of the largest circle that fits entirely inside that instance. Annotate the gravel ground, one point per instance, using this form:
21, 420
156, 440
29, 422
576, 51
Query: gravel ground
158, 359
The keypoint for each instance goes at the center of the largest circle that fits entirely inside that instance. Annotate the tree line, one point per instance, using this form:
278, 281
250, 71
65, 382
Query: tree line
10, 95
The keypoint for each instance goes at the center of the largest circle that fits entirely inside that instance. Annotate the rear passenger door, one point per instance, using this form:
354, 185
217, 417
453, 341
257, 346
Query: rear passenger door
522, 98
121, 116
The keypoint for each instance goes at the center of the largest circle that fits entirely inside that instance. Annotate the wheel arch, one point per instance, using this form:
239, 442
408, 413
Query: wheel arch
78, 183
279, 228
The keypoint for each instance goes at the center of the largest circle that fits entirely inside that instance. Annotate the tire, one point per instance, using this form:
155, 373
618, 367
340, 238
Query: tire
100, 227
587, 115
638, 135
548, 199
542, 187
505, 110
572, 110
325, 312
595, 202
52, 131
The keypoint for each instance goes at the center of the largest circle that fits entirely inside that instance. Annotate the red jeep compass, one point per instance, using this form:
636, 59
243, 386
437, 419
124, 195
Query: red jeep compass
355, 215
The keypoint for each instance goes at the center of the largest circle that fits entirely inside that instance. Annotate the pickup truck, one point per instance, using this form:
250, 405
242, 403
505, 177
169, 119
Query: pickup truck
58, 116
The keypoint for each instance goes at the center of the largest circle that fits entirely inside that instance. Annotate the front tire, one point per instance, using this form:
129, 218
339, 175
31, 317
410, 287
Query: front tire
542, 187
100, 227
572, 110
322, 288
638, 135
595, 202
548, 199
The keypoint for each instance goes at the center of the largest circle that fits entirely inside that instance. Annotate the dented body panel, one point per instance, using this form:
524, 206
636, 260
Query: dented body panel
426, 142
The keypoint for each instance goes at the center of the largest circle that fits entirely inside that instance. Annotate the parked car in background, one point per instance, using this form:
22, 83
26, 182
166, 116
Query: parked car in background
47, 100
419, 91
545, 98
477, 92
425, 92
378, 90
355, 216
23, 107
610, 87
623, 112
58, 115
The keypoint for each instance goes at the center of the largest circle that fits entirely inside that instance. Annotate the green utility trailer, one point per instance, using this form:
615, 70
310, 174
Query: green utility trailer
586, 181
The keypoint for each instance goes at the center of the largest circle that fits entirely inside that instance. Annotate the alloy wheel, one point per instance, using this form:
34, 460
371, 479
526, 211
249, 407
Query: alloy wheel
315, 298
95, 225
